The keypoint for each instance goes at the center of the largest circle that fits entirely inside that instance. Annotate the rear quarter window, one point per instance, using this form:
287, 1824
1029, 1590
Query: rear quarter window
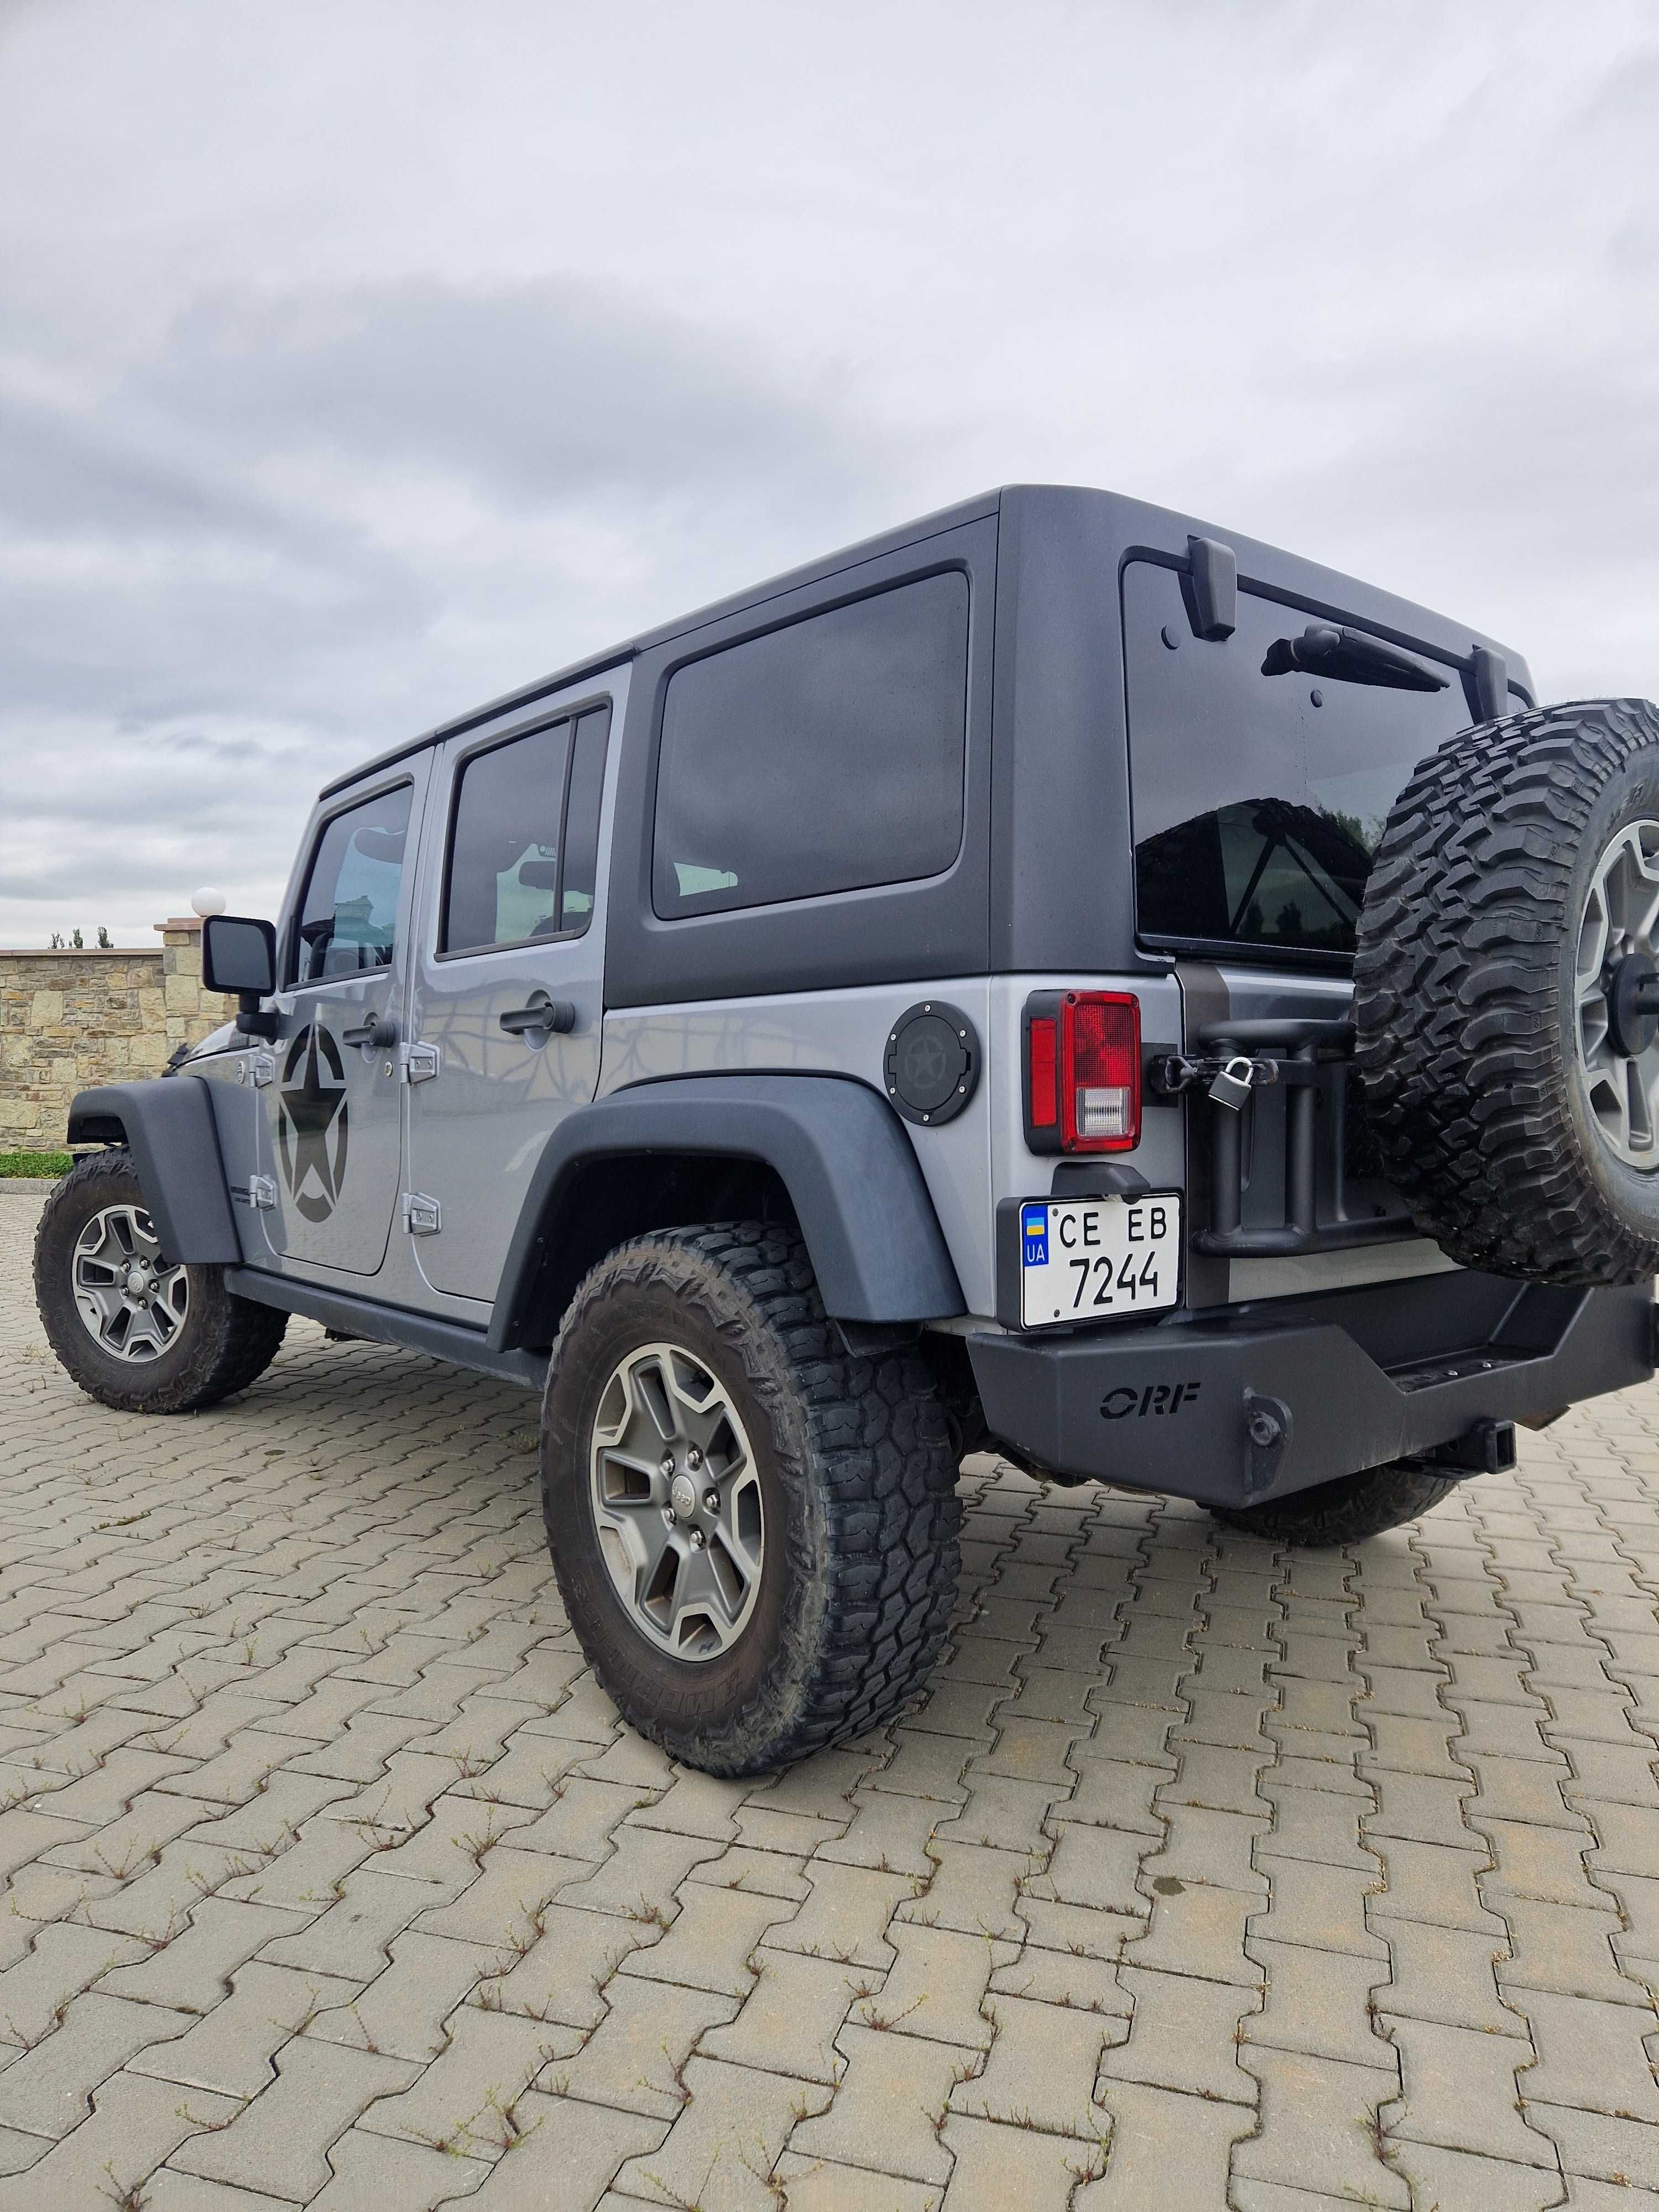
826, 755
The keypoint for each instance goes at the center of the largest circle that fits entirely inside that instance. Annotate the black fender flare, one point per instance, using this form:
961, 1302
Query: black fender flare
167, 1124
839, 1149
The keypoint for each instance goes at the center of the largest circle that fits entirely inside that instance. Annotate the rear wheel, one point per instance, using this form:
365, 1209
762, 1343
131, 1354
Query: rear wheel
1347, 1511
135, 1329
755, 1533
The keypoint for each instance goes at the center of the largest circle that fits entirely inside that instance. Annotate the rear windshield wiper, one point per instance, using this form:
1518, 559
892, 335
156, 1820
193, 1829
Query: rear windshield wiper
1349, 656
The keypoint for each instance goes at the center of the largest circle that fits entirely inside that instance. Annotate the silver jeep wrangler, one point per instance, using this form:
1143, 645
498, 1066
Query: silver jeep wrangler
1052, 976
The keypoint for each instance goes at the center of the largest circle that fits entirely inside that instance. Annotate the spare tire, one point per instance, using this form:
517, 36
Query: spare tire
1507, 994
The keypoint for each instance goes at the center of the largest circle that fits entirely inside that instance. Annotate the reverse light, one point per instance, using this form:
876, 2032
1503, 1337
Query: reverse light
1082, 1071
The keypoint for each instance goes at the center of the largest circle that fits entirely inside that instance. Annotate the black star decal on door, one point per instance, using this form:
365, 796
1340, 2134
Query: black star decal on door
312, 1122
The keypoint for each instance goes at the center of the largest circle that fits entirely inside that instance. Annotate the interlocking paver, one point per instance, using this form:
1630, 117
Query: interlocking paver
1446, 1974
403, 2010
232, 2049
1163, 2148
1568, 1948
353, 1936
726, 2139
846, 1917
646, 1865
975, 1890
192, 1971
280, 2141
1459, 2092
1041, 2069
1319, 2129
708, 1945
1183, 2034
564, 1968
888, 2108
462, 2100
1316, 2001
937, 1985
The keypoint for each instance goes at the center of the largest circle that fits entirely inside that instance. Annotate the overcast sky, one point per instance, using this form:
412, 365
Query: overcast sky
359, 361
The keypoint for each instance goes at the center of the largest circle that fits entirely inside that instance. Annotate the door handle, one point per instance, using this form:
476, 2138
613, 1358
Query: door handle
552, 1017
380, 1032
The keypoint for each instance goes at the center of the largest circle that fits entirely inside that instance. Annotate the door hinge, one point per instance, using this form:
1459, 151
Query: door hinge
420, 1062
259, 1068
258, 1191
422, 1216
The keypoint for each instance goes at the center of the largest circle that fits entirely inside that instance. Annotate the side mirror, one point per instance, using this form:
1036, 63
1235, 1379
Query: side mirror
238, 957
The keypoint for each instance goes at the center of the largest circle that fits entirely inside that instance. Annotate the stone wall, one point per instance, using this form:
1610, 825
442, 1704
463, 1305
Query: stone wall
70, 1019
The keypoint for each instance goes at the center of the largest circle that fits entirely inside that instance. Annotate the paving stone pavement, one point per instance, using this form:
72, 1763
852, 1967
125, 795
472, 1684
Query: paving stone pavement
1207, 1875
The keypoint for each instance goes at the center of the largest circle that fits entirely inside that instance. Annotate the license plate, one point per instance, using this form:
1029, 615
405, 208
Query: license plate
1082, 1259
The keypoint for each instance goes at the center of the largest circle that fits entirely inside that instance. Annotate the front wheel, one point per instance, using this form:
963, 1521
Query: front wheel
755, 1533
1347, 1511
137, 1329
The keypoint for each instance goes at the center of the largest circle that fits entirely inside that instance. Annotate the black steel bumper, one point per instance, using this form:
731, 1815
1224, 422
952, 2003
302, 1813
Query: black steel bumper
1258, 1399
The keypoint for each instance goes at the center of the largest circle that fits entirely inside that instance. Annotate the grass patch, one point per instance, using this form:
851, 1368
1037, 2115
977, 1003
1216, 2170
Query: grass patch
44, 1166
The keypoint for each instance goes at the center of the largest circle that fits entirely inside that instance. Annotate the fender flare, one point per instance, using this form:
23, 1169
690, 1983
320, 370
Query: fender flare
167, 1124
839, 1149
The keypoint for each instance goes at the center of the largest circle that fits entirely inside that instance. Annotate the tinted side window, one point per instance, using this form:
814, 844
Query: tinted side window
348, 916
524, 845
504, 847
824, 757
1259, 798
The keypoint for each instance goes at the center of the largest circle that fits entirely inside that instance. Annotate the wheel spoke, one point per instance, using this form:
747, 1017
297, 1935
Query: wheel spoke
1592, 941
1638, 1116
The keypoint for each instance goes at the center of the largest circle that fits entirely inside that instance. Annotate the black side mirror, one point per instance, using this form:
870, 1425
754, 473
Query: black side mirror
238, 957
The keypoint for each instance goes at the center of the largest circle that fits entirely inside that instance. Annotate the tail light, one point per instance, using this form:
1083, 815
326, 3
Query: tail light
1082, 1071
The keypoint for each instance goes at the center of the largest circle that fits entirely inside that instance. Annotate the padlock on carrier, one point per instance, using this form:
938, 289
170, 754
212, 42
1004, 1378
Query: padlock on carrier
1234, 1083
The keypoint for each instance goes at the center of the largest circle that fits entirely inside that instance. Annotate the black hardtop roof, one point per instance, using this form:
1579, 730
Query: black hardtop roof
1129, 525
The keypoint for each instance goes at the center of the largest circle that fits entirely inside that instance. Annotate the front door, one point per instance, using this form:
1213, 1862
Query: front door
518, 934
333, 1108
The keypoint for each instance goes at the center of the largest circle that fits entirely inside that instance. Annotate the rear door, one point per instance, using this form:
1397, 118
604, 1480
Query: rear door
508, 986
333, 1108
1260, 791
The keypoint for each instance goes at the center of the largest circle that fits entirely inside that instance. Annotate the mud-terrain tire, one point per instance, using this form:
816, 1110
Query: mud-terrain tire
841, 1465
1479, 1086
219, 1343
1345, 1511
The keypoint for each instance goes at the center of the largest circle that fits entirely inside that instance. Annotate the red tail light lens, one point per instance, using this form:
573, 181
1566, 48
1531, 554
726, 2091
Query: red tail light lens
1042, 1052
1083, 1072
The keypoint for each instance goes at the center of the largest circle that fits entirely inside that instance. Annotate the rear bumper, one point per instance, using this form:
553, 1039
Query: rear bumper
1348, 1380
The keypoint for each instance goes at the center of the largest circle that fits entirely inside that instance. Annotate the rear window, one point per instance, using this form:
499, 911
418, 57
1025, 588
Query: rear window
1259, 800
825, 757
